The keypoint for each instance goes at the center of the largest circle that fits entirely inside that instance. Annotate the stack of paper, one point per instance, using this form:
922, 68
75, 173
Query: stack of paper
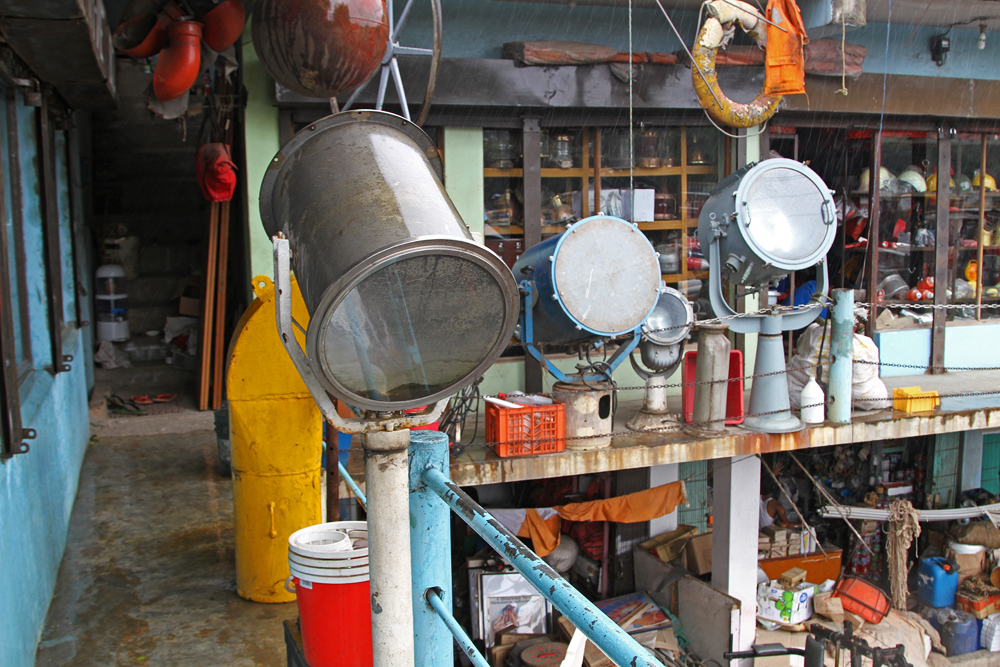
989, 638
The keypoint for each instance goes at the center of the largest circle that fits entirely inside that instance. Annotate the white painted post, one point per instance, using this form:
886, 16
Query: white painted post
734, 539
387, 484
972, 460
659, 475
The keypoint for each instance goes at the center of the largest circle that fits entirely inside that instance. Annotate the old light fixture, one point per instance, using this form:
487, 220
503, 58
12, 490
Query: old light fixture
663, 337
405, 310
761, 223
595, 282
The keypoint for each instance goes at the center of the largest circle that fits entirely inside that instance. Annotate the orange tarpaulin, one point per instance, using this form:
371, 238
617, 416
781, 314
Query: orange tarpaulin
630, 508
784, 68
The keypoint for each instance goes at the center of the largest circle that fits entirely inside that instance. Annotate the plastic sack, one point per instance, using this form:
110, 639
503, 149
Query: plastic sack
865, 382
216, 172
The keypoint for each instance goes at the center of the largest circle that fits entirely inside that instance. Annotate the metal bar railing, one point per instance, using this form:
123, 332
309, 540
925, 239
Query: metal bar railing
355, 489
623, 650
461, 637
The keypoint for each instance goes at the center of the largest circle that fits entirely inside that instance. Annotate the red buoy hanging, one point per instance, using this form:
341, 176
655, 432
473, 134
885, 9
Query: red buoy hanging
223, 25
320, 48
179, 63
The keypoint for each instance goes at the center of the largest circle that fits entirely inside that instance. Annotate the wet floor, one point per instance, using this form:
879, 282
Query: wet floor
148, 577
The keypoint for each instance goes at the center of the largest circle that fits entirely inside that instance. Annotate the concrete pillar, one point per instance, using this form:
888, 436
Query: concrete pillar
971, 469
659, 475
734, 539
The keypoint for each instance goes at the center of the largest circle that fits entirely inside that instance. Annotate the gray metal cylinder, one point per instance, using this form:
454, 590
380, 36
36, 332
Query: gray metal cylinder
713, 366
405, 307
588, 413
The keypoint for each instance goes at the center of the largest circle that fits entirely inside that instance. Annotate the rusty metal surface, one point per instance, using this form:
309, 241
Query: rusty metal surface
321, 48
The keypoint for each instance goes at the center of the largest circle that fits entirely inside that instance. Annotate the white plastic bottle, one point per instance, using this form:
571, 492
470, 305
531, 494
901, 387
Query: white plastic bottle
812, 396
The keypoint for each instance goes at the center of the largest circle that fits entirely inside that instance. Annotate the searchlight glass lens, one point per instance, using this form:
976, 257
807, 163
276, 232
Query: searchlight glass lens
413, 328
785, 216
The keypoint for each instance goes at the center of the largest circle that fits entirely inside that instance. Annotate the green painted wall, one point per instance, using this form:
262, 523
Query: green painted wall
463, 173
261, 145
695, 512
991, 462
945, 467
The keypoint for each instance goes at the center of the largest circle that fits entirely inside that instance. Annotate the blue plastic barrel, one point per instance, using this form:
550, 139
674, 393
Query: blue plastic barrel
937, 581
959, 633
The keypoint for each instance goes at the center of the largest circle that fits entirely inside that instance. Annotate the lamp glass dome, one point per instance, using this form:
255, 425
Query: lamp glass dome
789, 209
412, 329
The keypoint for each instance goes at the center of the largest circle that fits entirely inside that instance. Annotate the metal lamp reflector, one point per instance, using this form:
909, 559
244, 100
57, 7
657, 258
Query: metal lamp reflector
777, 217
405, 307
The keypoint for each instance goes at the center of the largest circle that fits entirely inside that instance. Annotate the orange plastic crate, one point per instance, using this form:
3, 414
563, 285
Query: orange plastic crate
533, 429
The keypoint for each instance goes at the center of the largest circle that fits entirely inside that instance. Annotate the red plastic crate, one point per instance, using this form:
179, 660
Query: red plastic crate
734, 390
533, 429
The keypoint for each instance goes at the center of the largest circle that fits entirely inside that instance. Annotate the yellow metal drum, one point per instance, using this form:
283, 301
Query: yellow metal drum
277, 440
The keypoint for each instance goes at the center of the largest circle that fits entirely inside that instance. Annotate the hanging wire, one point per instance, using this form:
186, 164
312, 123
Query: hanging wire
631, 128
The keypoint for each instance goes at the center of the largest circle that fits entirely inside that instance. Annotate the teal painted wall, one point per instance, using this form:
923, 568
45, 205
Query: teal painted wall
37, 489
945, 462
695, 474
991, 462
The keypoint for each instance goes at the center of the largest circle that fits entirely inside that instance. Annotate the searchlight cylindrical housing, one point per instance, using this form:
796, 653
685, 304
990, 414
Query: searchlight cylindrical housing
405, 308
598, 279
772, 218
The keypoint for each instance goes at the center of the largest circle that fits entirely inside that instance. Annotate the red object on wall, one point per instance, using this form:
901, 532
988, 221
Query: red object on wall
223, 25
127, 32
216, 172
320, 49
179, 63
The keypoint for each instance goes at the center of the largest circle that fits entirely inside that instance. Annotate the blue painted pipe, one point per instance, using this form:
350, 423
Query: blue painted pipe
430, 553
842, 351
461, 638
605, 633
351, 483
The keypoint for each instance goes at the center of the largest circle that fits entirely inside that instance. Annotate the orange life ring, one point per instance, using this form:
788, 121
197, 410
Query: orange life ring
710, 95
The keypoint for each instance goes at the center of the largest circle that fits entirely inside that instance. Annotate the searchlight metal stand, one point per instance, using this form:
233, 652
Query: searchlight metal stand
386, 440
530, 297
769, 403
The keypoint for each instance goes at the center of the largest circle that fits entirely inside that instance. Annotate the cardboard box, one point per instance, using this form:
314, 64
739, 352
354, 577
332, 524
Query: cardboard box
968, 564
786, 606
978, 606
777, 533
698, 552
668, 546
793, 577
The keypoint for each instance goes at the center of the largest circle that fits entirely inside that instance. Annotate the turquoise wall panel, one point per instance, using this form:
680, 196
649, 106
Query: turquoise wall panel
991, 462
37, 489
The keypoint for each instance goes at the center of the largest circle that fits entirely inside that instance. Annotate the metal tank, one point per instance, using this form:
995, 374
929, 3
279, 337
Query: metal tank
406, 307
320, 49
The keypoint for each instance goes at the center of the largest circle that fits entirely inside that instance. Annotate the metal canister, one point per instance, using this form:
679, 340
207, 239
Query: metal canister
713, 367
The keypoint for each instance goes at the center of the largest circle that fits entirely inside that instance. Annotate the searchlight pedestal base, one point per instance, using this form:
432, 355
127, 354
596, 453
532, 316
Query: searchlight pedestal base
654, 415
769, 402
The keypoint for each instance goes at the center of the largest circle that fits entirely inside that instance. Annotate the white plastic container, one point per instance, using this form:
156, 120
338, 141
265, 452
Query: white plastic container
111, 303
812, 396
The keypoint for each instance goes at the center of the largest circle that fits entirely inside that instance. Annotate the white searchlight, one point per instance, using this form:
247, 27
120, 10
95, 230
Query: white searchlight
761, 223
405, 310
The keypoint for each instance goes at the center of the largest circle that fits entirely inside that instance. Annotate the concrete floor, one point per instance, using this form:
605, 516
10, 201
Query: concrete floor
148, 577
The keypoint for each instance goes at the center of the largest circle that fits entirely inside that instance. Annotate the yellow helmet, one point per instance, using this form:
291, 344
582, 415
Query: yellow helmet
991, 184
932, 183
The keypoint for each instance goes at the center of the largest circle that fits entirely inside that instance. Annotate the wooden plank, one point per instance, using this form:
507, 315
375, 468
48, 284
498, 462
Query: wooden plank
220, 307
208, 310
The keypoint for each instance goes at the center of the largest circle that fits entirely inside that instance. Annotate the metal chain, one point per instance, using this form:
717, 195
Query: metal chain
674, 426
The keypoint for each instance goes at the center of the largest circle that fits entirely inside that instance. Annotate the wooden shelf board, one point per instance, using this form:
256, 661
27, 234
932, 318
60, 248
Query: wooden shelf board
576, 172
503, 173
